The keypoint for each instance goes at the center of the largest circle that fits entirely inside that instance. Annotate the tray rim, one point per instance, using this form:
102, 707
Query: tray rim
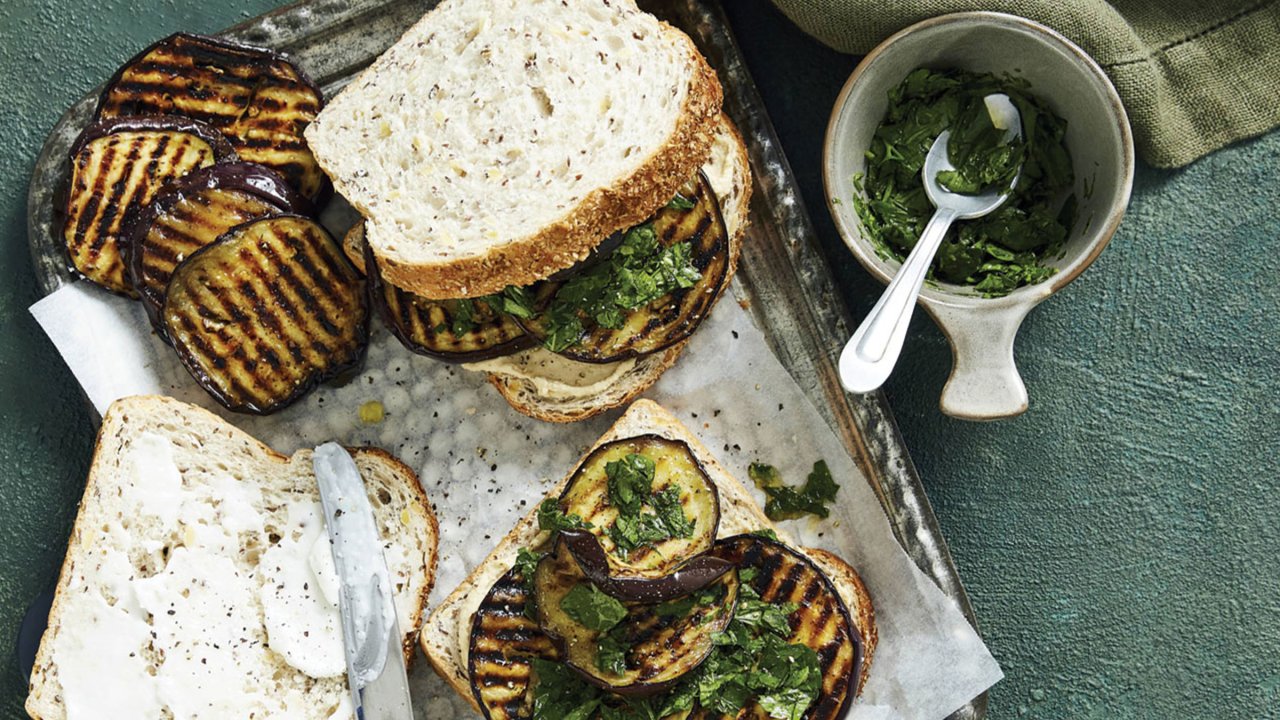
865, 424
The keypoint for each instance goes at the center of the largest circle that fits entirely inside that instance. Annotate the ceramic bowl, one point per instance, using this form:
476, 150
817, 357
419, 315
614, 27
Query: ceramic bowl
984, 382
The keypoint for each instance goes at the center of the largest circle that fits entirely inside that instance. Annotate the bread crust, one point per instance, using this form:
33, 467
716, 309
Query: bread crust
602, 212
116, 422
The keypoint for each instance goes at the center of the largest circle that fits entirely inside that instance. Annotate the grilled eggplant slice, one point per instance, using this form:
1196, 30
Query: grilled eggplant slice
697, 573
257, 97
192, 212
265, 312
822, 621
464, 330
669, 319
659, 643
587, 496
504, 641
117, 167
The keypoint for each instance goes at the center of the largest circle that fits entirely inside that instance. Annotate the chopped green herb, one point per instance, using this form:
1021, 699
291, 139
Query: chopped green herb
767, 533
591, 608
638, 272
787, 502
633, 531
551, 517
559, 694
513, 300
683, 605
1004, 250
611, 656
752, 664
630, 482
461, 315
526, 563
680, 202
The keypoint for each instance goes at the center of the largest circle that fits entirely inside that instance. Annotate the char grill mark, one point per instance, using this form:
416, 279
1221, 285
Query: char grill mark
820, 622
504, 640
425, 326
188, 224
256, 98
265, 312
113, 177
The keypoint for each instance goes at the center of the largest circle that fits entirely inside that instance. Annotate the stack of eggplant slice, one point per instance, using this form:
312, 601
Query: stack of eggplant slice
194, 191
474, 329
589, 619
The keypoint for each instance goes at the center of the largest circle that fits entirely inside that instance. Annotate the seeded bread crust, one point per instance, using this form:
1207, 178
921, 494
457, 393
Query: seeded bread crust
226, 446
625, 202
446, 634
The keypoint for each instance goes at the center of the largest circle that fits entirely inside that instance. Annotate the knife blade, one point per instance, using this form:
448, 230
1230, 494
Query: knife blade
376, 672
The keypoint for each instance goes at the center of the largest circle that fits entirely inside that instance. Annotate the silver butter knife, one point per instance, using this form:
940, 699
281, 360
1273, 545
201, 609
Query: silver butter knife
370, 632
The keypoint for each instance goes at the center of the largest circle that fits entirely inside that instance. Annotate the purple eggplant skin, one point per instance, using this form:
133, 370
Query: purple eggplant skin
252, 179
504, 640
783, 575
664, 650
378, 289
359, 339
66, 195
586, 495
694, 575
183, 73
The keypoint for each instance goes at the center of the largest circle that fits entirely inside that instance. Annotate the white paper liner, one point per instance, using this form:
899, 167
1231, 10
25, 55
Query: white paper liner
484, 465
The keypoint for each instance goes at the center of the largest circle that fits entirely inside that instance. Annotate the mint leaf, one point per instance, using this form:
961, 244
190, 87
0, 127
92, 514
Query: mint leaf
680, 202
611, 655
638, 272
630, 482
593, 609
551, 517
787, 502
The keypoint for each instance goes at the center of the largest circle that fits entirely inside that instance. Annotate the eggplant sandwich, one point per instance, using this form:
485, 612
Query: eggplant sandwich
550, 195
650, 585
194, 192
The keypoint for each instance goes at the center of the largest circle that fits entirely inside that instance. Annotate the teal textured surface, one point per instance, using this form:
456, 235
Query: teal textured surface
1119, 541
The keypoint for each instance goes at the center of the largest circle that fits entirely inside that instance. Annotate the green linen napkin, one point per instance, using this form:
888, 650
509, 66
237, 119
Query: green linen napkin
1194, 75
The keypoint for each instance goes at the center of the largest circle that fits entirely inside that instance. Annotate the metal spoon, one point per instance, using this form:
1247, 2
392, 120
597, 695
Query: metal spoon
869, 356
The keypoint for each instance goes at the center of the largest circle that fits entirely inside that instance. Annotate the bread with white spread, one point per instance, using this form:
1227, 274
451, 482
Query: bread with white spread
198, 580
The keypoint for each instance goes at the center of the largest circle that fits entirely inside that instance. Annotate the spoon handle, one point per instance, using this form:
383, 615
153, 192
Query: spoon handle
869, 356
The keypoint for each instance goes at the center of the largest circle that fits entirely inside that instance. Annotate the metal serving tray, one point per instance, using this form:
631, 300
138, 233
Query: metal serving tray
791, 291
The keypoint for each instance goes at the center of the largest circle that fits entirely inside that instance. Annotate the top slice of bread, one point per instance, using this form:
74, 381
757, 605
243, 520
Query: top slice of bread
498, 141
201, 533
446, 634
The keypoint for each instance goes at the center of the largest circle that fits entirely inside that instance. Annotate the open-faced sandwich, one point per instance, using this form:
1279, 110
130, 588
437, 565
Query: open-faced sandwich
550, 191
650, 585
199, 581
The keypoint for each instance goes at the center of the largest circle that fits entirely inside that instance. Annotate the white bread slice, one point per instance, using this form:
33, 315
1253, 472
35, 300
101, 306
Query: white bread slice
176, 493
446, 634
729, 172
498, 141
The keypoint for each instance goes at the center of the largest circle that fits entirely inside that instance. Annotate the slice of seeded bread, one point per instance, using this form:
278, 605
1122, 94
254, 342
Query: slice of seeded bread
729, 172
195, 585
498, 141
446, 634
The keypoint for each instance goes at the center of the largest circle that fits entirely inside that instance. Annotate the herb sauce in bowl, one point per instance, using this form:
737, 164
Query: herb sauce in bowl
1002, 251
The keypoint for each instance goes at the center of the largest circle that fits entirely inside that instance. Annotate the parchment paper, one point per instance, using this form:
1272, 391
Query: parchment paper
483, 465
